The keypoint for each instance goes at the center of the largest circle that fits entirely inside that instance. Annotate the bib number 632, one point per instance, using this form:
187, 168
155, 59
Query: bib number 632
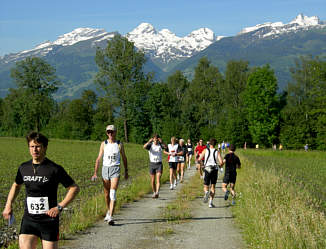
37, 205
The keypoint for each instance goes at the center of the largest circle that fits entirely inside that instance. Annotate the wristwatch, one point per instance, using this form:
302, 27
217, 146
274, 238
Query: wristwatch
60, 208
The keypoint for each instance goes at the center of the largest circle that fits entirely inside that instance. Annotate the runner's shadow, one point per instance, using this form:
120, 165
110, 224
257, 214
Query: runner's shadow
138, 221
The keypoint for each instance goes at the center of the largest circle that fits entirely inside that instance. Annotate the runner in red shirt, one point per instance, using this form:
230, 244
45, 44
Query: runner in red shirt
198, 150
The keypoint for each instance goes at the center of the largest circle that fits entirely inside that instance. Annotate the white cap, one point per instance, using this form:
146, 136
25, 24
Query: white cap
111, 128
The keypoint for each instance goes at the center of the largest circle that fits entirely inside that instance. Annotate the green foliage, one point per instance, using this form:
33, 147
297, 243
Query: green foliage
120, 71
261, 104
304, 114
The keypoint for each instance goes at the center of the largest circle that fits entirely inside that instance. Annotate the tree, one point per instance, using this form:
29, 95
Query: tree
203, 98
303, 118
235, 126
37, 81
120, 68
261, 105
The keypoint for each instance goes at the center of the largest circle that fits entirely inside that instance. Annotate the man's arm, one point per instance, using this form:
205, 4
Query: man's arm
14, 191
73, 190
220, 158
202, 155
124, 159
98, 160
149, 141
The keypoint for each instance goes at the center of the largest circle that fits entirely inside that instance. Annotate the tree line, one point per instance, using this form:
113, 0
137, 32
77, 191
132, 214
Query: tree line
241, 105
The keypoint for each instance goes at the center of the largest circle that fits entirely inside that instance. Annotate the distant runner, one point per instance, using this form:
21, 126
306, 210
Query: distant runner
172, 152
232, 162
41, 177
181, 159
110, 151
155, 148
199, 163
212, 162
190, 152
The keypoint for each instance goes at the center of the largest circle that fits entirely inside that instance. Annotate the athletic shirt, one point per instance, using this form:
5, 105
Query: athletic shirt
189, 147
199, 149
111, 156
173, 149
155, 152
231, 162
41, 185
211, 157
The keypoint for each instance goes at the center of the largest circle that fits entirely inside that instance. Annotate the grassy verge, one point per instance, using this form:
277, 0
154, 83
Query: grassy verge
273, 210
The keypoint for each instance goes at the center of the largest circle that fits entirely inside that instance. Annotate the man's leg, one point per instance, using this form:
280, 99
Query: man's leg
50, 244
226, 191
153, 182
171, 177
107, 186
182, 166
178, 170
27, 241
113, 189
158, 181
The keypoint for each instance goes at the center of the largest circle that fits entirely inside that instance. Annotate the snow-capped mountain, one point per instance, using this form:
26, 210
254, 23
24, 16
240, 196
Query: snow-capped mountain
162, 45
301, 22
166, 46
68, 39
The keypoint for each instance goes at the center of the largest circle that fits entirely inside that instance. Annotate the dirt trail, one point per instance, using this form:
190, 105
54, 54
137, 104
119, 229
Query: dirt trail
138, 223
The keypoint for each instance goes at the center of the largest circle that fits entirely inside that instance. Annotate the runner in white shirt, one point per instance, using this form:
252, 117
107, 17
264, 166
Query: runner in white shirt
212, 161
110, 151
190, 152
172, 152
155, 148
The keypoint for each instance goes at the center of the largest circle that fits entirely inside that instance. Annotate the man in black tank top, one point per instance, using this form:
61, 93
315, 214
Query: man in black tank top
41, 177
232, 162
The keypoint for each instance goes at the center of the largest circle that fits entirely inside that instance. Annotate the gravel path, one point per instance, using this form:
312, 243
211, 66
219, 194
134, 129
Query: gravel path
139, 225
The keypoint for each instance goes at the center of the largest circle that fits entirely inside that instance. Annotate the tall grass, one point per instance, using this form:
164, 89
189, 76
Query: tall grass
277, 207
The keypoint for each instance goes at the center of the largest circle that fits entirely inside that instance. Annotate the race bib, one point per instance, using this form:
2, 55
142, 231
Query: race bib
181, 158
37, 205
189, 149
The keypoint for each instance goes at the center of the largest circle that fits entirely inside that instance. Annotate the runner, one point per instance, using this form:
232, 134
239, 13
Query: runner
212, 162
172, 151
232, 162
181, 159
199, 163
155, 147
190, 153
41, 177
110, 151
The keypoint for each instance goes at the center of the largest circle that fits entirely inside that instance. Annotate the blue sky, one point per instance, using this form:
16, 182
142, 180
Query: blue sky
25, 24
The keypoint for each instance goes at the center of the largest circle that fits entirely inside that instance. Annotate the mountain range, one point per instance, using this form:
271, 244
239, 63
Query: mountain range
277, 44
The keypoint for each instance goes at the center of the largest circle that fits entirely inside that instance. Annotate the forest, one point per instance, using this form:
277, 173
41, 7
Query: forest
241, 105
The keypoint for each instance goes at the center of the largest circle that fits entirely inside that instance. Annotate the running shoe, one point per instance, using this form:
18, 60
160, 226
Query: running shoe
206, 196
107, 216
178, 177
156, 195
174, 185
211, 205
111, 221
226, 196
171, 186
233, 202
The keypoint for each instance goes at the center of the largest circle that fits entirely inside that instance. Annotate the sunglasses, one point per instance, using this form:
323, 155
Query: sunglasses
109, 131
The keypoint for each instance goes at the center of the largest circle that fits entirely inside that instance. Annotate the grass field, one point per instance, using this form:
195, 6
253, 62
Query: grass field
78, 158
281, 199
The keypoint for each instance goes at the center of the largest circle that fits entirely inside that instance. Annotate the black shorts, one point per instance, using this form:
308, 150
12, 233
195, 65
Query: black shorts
173, 165
48, 230
230, 178
155, 168
210, 177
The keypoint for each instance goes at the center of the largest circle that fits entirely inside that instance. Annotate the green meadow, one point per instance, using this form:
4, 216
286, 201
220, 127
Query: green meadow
78, 158
281, 199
